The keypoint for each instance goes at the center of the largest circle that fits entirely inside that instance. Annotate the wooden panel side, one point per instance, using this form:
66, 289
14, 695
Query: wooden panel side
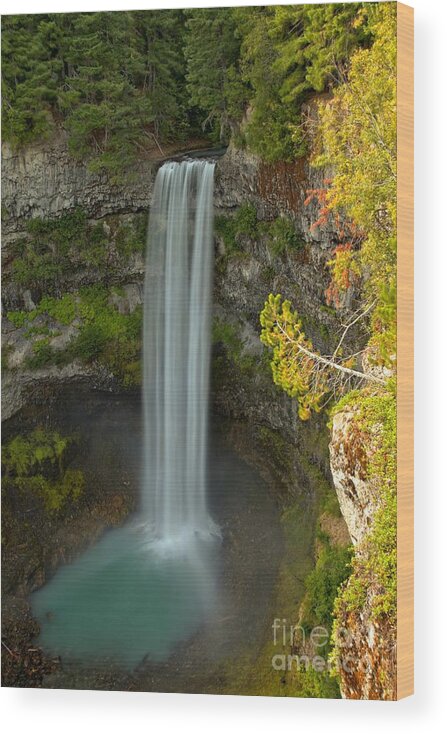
405, 352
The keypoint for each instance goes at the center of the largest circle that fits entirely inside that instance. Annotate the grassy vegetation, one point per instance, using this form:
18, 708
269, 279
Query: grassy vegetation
36, 463
280, 233
322, 584
332, 566
257, 676
55, 248
282, 236
227, 334
104, 335
233, 230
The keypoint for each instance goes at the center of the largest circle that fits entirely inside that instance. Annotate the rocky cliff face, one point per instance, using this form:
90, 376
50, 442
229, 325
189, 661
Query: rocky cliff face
357, 497
276, 190
368, 652
44, 181
244, 390
368, 664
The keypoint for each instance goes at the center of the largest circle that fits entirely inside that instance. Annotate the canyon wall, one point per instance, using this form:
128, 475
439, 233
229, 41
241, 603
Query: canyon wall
45, 182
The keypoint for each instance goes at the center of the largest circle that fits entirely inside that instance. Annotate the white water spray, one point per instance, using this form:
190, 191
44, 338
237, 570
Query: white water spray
177, 308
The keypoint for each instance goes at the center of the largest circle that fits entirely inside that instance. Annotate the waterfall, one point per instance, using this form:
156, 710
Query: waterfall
176, 342
150, 584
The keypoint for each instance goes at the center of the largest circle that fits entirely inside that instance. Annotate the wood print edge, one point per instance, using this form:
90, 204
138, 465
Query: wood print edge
405, 352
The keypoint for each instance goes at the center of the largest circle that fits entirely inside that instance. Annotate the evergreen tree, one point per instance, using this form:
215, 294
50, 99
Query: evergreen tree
288, 52
268, 129
97, 98
122, 94
116, 79
158, 69
29, 77
212, 47
122, 83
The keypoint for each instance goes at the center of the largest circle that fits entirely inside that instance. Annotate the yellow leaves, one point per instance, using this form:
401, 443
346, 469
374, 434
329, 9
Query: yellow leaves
345, 266
304, 413
357, 139
360, 18
293, 365
358, 131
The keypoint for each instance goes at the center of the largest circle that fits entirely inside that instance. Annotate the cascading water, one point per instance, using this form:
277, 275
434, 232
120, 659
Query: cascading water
147, 585
177, 307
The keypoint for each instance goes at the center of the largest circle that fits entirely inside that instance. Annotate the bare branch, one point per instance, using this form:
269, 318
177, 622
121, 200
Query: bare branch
329, 362
349, 325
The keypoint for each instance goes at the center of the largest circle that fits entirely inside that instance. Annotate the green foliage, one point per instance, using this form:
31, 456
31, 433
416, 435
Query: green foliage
61, 309
322, 585
330, 503
90, 343
47, 253
280, 233
227, 334
294, 369
226, 229
29, 89
384, 318
212, 50
316, 684
36, 463
18, 318
104, 334
43, 355
43, 330
110, 337
349, 400
115, 78
22, 455
126, 92
64, 311
287, 53
317, 583
282, 236
54, 248
55, 494
359, 141
123, 84
358, 138
244, 223
246, 220
107, 336
130, 237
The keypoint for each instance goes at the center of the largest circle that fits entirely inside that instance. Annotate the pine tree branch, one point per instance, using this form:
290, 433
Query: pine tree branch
328, 362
